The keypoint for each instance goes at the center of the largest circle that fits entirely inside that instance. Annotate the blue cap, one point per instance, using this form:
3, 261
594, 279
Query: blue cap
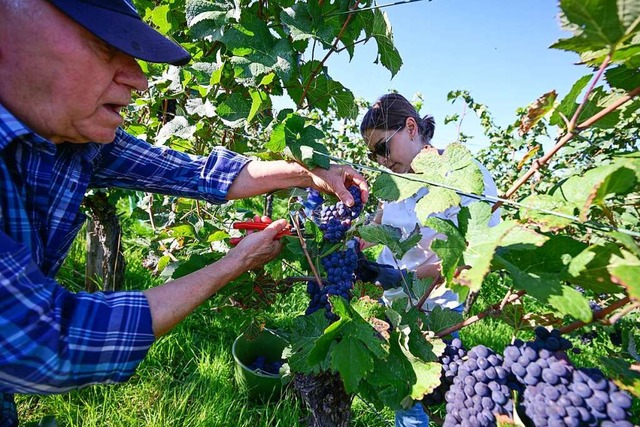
117, 23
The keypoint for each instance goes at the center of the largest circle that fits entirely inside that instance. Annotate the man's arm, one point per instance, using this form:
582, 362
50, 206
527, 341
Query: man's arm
262, 177
173, 301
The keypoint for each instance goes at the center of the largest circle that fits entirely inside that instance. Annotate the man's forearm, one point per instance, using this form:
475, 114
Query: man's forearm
175, 300
262, 177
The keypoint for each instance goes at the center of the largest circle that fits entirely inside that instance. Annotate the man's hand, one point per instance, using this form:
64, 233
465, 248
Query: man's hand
259, 247
336, 179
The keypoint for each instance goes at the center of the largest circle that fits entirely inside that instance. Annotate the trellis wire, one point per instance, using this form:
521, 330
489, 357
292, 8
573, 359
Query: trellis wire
484, 197
380, 6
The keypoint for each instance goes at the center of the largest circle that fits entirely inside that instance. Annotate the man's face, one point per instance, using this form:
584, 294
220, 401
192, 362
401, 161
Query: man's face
60, 80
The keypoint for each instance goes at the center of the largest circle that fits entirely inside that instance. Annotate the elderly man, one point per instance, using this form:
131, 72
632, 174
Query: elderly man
67, 68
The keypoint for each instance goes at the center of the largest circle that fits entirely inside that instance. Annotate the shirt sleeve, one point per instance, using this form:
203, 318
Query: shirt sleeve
134, 164
53, 340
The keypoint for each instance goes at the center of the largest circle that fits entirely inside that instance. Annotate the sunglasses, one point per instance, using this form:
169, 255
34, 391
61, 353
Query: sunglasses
382, 147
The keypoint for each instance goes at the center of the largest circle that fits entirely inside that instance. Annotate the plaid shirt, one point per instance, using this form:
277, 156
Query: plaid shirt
53, 340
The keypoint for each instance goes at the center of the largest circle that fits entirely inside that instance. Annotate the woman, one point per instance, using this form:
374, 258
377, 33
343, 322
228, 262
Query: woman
395, 135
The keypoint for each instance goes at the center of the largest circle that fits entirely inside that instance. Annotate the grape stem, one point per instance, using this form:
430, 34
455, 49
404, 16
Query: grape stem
303, 244
509, 298
600, 314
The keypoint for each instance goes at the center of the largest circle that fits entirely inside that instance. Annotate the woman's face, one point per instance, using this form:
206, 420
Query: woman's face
403, 145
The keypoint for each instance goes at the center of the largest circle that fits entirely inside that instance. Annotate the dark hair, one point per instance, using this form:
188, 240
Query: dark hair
390, 111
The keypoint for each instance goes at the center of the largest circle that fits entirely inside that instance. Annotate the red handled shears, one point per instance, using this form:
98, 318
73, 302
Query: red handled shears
251, 225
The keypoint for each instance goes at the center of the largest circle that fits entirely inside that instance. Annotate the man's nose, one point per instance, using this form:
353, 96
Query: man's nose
130, 74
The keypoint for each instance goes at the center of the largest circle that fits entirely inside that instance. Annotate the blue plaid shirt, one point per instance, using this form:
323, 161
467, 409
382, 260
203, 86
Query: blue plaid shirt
53, 340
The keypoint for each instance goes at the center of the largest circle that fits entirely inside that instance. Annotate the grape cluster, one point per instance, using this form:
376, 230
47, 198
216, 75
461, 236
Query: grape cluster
479, 392
260, 364
549, 390
451, 360
336, 219
339, 267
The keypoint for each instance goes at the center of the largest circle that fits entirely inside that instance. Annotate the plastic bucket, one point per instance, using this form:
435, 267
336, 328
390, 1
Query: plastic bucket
259, 385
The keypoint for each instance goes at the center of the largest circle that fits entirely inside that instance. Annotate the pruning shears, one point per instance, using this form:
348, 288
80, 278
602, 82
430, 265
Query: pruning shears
251, 225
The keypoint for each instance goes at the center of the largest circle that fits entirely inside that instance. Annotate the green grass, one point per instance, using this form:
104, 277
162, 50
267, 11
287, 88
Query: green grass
187, 379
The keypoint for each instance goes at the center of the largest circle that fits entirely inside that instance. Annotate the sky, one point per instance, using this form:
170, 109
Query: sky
498, 50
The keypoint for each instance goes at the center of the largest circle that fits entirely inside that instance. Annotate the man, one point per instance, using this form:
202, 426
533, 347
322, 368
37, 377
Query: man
67, 68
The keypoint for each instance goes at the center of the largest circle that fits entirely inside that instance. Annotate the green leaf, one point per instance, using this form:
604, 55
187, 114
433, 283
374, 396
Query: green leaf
262, 50
552, 203
322, 92
351, 359
304, 333
624, 374
568, 105
540, 271
482, 242
451, 250
427, 378
625, 271
599, 184
599, 27
388, 55
233, 109
259, 101
183, 230
390, 237
418, 345
623, 77
439, 319
589, 269
208, 18
389, 187
394, 377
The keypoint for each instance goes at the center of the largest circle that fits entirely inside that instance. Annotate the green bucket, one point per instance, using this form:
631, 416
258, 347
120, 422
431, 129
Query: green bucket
259, 385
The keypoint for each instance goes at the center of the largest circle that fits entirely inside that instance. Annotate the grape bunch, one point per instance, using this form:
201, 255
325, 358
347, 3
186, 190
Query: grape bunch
548, 389
260, 364
479, 391
339, 267
451, 360
336, 219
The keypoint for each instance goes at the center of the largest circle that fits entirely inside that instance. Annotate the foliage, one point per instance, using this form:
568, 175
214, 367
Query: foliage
249, 54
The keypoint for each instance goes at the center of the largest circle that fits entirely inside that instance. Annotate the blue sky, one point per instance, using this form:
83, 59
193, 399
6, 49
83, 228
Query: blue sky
496, 49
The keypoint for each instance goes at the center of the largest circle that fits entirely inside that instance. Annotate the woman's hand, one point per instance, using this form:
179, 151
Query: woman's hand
336, 179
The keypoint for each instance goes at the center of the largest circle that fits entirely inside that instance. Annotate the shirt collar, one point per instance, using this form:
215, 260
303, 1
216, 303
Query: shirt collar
11, 128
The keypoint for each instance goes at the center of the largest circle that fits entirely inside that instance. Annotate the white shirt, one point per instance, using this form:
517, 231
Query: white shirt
402, 215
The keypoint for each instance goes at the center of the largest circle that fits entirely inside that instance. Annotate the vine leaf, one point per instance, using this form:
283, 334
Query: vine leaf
388, 55
599, 27
394, 378
625, 271
393, 187
589, 268
209, 19
427, 378
540, 271
390, 237
547, 222
304, 333
626, 375
568, 105
298, 141
439, 319
483, 241
451, 250
600, 184
537, 111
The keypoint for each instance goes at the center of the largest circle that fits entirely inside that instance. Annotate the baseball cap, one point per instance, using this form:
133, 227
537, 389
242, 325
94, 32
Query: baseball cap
118, 24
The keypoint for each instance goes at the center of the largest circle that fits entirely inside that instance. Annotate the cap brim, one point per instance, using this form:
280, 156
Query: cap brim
126, 33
